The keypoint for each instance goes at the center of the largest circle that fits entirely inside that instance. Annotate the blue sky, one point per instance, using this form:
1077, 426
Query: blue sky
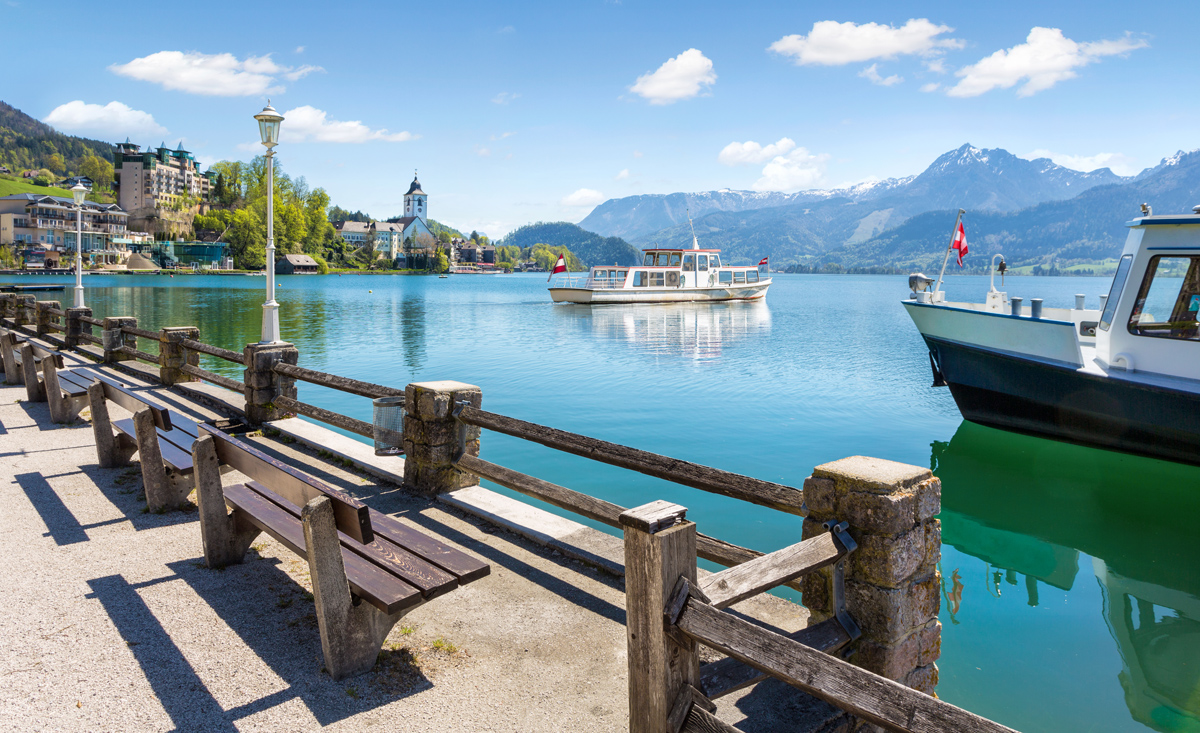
538, 111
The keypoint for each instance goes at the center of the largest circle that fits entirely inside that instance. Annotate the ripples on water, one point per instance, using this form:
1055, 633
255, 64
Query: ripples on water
1071, 574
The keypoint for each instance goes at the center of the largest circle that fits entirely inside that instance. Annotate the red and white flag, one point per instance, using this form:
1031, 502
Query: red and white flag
763, 261
560, 266
960, 243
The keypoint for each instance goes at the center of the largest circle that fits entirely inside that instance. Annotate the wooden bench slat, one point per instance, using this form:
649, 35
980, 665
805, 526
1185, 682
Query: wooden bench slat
431, 580
174, 456
370, 582
349, 513
455, 562
119, 394
186, 424
72, 384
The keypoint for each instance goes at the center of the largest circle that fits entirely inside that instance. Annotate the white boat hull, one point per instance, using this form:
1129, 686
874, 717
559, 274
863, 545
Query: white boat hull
715, 294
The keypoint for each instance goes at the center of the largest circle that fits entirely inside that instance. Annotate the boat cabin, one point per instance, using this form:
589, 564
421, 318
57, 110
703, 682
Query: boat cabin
675, 268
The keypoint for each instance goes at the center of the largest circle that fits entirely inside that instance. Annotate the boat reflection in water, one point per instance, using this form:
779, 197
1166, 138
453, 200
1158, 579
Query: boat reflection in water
1031, 507
697, 331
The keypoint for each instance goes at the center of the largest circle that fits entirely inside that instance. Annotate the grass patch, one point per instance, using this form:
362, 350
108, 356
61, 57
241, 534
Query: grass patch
10, 187
444, 646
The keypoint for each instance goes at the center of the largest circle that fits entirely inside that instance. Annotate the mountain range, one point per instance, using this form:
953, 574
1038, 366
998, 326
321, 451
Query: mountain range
1033, 210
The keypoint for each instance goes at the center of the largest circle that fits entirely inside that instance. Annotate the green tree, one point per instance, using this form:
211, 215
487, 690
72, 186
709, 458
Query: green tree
441, 261
247, 240
98, 169
57, 163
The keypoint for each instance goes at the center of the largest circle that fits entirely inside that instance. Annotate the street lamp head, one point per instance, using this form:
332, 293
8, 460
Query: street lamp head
79, 191
268, 125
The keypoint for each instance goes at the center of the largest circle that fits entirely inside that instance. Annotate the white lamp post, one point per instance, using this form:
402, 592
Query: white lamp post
268, 130
79, 191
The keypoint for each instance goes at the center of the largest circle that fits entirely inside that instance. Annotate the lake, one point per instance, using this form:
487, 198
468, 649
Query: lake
1071, 575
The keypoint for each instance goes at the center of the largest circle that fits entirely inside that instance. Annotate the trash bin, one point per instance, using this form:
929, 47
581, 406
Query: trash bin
388, 422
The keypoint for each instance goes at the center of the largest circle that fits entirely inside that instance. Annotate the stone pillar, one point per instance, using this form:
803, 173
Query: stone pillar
6, 305
45, 319
114, 338
892, 581
24, 305
172, 355
263, 385
75, 327
431, 436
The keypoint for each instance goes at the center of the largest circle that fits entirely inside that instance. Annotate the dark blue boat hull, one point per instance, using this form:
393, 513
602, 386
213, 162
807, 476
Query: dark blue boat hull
1013, 393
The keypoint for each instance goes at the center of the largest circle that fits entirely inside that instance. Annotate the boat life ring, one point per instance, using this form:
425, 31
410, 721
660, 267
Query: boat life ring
673, 279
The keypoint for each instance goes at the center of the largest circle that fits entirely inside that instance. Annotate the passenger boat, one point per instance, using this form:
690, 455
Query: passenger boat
1125, 376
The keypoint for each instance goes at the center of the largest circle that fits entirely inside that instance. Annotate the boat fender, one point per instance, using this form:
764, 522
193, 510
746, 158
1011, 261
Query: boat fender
1123, 361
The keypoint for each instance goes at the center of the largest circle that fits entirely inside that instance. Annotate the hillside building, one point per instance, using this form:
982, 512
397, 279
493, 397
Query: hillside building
152, 182
48, 223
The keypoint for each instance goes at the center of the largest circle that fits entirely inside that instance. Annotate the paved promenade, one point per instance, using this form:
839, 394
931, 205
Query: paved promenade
110, 620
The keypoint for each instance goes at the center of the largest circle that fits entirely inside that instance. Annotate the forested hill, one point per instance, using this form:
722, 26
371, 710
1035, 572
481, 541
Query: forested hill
27, 143
1084, 229
591, 248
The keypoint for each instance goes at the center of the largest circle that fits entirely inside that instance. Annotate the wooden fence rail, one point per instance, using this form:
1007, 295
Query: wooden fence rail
235, 356
152, 335
213, 377
143, 355
344, 384
344, 422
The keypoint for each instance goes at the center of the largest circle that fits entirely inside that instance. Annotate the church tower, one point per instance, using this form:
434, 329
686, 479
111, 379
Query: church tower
415, 201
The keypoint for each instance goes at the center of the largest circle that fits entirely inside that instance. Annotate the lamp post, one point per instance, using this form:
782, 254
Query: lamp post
268, 130
79, 191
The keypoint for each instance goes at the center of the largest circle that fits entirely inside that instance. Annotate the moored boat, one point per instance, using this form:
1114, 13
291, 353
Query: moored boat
665, 276
1125, 376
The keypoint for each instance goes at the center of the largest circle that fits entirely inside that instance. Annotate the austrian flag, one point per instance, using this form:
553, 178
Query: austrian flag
560, 266
960, 243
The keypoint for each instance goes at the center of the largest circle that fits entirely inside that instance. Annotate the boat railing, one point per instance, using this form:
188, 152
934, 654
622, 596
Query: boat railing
570, 281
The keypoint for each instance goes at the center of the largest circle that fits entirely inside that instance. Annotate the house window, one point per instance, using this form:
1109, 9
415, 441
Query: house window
1168, 303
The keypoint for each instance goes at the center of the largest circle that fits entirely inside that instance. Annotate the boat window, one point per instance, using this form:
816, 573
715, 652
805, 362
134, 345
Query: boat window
739, 276
1114, 294
689, 263
702, 263
714, 261
725, 277
663, 257
657, 279
674, 259
620, 275
601, 274
649, 261
639, 279
752, 276
1168, 303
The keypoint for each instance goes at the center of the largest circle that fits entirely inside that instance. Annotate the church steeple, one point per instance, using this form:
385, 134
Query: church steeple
416, 200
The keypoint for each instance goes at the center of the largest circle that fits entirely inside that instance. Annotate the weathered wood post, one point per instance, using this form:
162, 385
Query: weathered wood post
432, 435
76, 327
114, 338
892, 581
46, 319
25, 309
172, 355
660, 548
263, 385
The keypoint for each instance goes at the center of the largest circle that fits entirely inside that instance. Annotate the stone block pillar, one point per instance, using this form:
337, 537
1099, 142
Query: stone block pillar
45, 319
892, 581
114, 338
25, 309
431, 436
172, 355
6, 305
263, 385
76, 327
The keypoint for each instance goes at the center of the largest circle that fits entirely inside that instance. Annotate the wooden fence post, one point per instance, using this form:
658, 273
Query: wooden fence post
45, 319
172, 355
76, 327
263, 385
892, 582
433, 437
114, 338
660, 548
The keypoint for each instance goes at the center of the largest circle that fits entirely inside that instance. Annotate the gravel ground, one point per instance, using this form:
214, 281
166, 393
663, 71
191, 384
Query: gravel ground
110, 621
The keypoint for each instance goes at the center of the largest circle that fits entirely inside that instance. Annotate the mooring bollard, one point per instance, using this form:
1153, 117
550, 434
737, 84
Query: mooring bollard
172, 355
46, 319
77, 328
432, 436
114, 339
892, 581
263, 385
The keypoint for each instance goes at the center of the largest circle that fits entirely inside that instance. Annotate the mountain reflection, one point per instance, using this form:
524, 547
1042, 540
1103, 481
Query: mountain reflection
697, 331
1029, 507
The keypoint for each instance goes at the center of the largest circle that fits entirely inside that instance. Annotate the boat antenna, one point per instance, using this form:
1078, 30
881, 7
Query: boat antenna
695, 242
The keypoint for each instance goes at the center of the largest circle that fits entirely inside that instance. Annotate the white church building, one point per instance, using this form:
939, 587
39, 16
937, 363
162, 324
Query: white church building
389, 236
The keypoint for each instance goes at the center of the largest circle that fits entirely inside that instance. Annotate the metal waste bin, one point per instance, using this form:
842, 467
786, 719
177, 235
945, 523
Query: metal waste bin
388, 423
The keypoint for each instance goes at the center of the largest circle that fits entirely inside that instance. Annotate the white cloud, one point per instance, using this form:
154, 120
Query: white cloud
830, 43
483, 152
1046, 58
306, 123
937, 66
871, 74
797, 170
583, 197
679, 78
220, 74
750, 152
622, 175
299, 49
504, 98
114, 120
932, 86
637, 153
502, 136
506, 29
1119, 163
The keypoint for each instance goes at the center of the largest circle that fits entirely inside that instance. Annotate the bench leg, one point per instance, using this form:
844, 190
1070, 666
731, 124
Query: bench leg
226, 536
351, 635
54, 395
70, 407
12, 372
164, 489
109, 452
33, 385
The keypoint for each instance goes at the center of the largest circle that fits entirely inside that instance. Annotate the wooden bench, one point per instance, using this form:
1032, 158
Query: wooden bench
354, 553
162, 439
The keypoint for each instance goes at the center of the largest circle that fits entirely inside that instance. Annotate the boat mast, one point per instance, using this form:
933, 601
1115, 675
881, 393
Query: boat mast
949, 247
695, 242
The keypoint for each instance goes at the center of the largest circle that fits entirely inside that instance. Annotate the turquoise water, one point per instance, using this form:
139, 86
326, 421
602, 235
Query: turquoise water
1071, 574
